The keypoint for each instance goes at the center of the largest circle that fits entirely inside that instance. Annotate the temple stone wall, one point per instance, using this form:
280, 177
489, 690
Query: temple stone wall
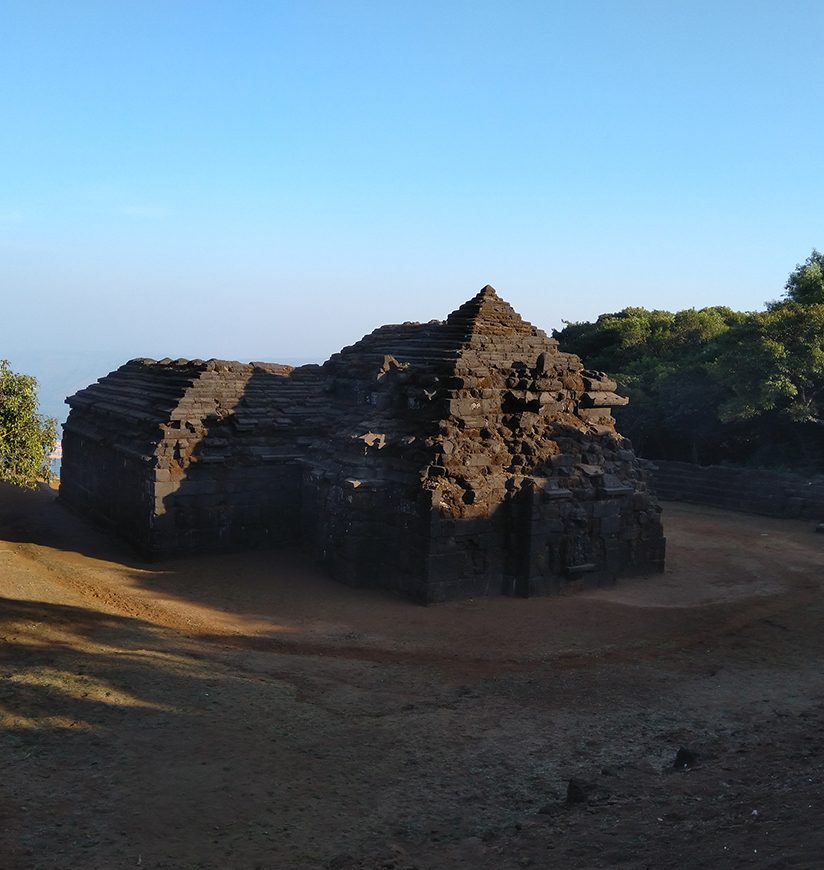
756, 491
366, 532
112, 487
219, 508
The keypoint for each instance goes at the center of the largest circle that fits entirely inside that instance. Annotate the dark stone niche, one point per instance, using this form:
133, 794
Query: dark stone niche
441, 460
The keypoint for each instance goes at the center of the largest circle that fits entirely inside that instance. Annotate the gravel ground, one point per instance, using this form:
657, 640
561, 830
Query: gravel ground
243, 711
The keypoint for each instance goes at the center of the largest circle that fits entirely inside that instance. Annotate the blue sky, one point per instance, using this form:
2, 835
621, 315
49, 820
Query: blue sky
272, 180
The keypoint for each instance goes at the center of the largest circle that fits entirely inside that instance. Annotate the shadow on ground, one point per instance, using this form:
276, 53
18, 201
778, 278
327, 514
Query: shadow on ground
147, 719
95, 709
724, 571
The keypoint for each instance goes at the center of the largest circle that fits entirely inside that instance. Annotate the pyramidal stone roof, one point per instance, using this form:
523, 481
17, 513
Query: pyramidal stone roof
484, 329
487, 314
474, 403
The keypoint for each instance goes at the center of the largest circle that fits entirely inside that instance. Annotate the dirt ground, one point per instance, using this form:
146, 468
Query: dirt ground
243, 711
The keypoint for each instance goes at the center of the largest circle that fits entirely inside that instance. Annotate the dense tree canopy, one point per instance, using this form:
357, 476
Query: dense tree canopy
26, 438
774, 361
715, 385
806, 282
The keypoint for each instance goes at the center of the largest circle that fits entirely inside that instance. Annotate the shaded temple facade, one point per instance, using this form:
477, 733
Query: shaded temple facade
441, 460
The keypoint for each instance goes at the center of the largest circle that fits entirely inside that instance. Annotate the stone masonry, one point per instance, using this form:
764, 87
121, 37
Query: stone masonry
440, 460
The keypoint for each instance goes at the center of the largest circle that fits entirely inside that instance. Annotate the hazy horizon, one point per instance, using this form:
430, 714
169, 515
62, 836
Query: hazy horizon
275, 179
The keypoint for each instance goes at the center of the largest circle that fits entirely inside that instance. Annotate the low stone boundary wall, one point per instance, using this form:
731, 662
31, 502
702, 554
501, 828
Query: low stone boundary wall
770, 493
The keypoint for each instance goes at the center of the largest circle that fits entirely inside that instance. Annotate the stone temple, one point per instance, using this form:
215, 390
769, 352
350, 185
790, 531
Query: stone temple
440, 460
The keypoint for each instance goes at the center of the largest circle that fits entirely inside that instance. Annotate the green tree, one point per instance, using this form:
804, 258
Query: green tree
661, 361
26, 438
774, 362
806, 282
714, 384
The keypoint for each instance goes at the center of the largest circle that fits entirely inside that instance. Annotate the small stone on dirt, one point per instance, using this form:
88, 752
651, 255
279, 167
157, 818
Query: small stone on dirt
684, 758
578, 791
